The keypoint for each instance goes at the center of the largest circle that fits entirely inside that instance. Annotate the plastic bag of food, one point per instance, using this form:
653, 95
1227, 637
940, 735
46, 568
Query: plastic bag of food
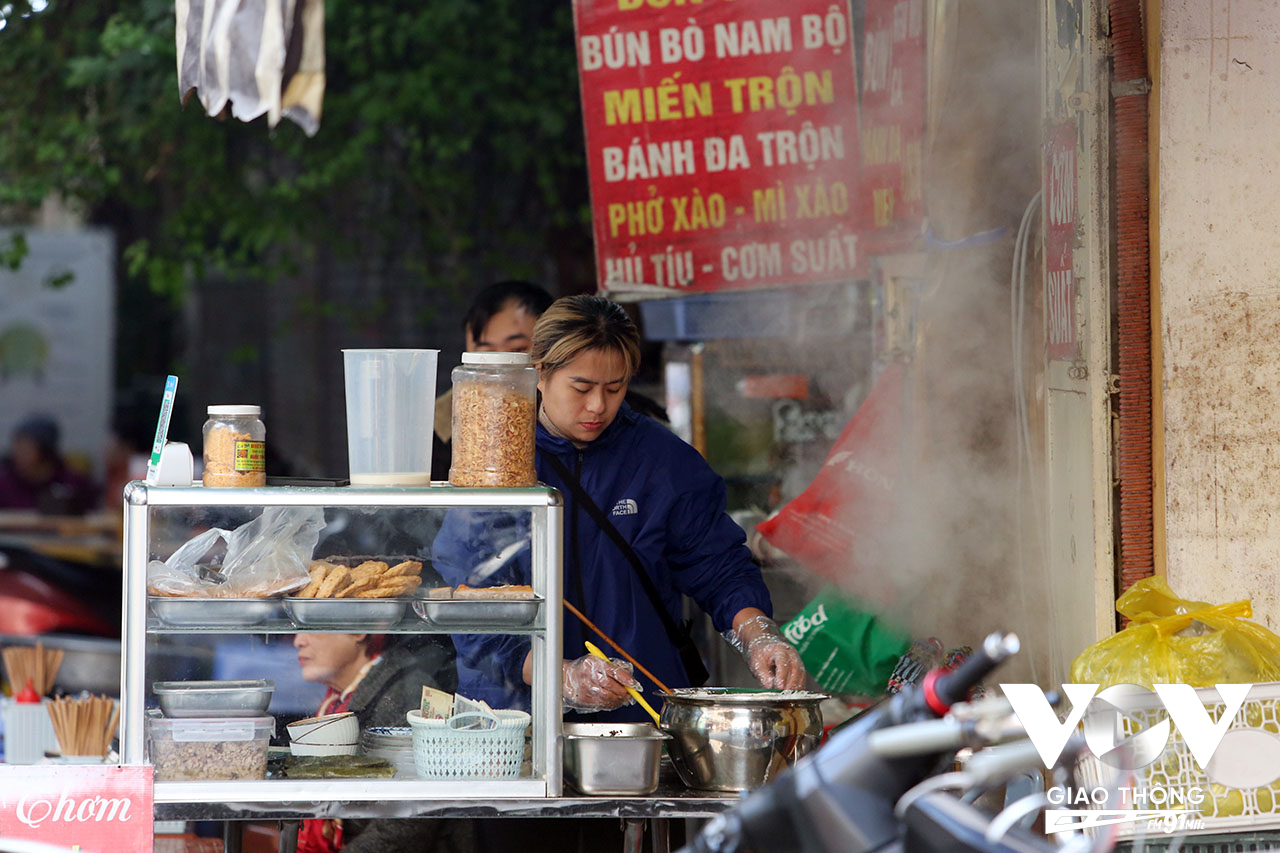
265, 557
838, 526
1171, 640
845, 649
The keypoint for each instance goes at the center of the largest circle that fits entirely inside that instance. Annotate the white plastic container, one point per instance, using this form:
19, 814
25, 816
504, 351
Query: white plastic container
1175, 777
391, 409
201, 748
28, 731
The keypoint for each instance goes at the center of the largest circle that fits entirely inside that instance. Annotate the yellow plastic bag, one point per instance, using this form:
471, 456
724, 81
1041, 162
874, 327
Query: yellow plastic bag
1171, 640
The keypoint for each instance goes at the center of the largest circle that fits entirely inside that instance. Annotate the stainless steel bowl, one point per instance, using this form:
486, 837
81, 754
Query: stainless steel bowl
725, 739
613, 758
214, 698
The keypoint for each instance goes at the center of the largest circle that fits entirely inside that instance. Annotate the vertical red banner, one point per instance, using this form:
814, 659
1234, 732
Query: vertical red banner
1059, 241
92, 809
893, 107
722, 141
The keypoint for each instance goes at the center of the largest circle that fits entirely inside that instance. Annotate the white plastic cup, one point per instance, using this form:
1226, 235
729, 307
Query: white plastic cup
391, 409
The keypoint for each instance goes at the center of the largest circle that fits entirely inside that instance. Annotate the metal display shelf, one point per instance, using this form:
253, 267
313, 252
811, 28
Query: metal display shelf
154, 513
408, 625
388, 798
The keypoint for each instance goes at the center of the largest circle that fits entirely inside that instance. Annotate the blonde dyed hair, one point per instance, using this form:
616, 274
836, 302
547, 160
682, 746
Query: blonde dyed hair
576, 324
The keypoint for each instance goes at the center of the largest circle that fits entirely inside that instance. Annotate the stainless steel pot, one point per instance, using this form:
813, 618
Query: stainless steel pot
727, 739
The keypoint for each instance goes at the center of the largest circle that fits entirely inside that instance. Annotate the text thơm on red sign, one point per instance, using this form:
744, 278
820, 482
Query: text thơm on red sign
88, 808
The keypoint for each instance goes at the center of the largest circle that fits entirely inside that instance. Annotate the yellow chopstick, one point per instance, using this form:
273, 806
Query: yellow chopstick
635, 694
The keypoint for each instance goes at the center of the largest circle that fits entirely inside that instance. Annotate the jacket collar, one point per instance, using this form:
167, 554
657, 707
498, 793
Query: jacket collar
564, 447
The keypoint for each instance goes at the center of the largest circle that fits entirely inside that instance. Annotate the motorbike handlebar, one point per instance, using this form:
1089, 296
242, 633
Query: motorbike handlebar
842, 796
944, 689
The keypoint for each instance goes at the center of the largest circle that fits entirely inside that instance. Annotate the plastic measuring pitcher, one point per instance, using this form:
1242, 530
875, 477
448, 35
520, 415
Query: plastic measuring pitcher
391, 408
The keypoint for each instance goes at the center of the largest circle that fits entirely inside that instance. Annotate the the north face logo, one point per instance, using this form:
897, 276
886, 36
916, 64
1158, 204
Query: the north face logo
626, 506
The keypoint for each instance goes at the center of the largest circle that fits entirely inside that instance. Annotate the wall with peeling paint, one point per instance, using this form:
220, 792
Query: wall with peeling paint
1219, 238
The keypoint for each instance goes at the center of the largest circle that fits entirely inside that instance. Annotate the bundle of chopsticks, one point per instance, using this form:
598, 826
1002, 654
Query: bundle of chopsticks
35, 664
84, 726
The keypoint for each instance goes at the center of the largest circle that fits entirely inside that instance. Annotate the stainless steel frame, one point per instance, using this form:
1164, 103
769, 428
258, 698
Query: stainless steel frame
546, 506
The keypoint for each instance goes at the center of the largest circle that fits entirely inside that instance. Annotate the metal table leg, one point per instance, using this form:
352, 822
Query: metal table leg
231, 837
660, 835
632, 835
289, 836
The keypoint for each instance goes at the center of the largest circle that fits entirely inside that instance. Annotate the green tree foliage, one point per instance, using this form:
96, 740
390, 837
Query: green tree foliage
451, 136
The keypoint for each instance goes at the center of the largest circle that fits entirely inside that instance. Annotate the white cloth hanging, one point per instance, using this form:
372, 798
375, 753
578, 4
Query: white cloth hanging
253, 57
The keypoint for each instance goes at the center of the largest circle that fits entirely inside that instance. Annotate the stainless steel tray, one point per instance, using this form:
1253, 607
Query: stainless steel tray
214, 698
613, 758
477, 612
213, 612
345, 612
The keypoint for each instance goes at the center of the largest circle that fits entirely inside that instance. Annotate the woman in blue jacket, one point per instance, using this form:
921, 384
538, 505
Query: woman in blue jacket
657, 492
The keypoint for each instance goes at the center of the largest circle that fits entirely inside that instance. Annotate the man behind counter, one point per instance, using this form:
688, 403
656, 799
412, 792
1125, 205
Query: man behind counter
500, 319
672, 531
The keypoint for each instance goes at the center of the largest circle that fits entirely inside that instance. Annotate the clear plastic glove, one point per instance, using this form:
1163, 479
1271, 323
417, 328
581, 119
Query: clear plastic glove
593, 684
773, 661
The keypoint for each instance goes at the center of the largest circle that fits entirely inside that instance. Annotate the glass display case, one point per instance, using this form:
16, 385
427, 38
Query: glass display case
241, 621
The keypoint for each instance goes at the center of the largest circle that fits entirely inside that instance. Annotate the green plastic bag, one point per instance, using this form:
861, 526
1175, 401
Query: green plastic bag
846, 650
1171, 640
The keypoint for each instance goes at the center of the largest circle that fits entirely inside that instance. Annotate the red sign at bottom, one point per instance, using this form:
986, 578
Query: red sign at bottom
83, 808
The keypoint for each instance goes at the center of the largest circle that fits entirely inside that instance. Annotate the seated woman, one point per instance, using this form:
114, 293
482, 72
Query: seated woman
35, 475
379, 679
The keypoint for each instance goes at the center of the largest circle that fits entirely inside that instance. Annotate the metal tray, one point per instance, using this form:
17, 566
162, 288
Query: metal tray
613, 758
477, 612
345, 612
212, 612
214, 698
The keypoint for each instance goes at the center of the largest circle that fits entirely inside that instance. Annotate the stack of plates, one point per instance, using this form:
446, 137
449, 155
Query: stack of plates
394, 744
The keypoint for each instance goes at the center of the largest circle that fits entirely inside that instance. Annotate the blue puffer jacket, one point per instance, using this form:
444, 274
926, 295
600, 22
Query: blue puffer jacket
669, 505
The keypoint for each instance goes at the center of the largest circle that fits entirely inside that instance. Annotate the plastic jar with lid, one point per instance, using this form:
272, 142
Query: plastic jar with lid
235, 447
494, 418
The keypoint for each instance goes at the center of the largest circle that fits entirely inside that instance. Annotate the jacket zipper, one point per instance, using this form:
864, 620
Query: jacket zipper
575, 553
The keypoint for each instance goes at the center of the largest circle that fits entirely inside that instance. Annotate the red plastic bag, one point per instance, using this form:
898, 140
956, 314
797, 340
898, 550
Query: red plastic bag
838, 524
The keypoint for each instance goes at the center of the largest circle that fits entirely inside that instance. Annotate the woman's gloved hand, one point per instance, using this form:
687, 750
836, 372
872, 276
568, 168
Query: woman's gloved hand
593, 684
773, 661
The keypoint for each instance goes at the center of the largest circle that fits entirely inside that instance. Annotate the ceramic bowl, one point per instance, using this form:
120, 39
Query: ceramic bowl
324, 749
330, 730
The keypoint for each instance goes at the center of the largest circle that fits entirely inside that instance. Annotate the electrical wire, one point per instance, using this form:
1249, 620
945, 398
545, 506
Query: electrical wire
956, 779
1024, 479
1014, 812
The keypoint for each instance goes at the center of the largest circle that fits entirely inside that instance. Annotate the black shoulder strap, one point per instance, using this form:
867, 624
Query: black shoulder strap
603, 522
678, 637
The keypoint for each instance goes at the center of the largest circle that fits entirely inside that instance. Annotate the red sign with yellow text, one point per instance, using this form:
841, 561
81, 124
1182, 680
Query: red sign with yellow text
89, 808
722, 139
